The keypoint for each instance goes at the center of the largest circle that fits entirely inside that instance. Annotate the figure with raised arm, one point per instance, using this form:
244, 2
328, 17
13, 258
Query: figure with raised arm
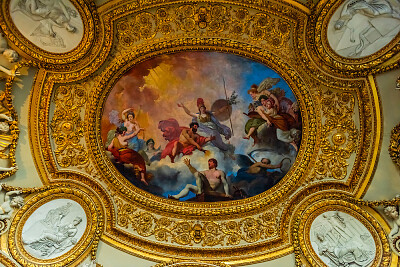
210, 182
189, 140
11, 202
133, 130
210, 125
119, 148
284, 131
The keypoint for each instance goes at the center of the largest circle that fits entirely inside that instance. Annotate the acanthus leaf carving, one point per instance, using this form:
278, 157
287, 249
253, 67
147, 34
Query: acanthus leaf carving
205, 233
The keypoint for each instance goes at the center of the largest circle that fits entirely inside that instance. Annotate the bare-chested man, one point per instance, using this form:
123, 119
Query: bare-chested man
211, 181
262, 166
189, 140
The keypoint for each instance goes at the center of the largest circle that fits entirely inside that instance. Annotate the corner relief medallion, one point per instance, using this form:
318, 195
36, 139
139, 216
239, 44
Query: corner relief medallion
54, 26
360, 28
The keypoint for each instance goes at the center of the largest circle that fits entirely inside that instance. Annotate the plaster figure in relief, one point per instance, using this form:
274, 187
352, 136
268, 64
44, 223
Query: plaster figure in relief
364, 32
49, 12
57, 239
350, 254
5, 136
211, 182
11, 202
340, 241
394, 236
10, 55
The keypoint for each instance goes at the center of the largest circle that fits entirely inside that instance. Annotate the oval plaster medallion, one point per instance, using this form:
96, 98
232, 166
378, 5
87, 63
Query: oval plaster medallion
339, 239
54, 228
360, 28
52, 25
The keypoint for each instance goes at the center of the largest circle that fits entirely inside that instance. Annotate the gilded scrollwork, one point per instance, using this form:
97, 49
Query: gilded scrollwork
339, 134
188, 263
209, 19
9, 131
394, 147
6, 260
191, 232
67, 127
261, 31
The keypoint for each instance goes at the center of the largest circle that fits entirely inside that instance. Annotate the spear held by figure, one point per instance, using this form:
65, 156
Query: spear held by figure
230, 113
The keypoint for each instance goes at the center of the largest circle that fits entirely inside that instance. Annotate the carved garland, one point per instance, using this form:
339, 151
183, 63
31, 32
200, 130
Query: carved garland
394, 147
68, 128
339, 134
208, 20
9, 139
368, 107
183, 263
205, 233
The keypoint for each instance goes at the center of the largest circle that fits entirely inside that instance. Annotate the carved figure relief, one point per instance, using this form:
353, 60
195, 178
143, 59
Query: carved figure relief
53, 25
54, 229
10, 56
341, 240
12, 200
7, 132
362, 27
209, 135
394, 236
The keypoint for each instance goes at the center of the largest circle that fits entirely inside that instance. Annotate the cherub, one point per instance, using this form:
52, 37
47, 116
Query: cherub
10, 203
393, 214
10, 55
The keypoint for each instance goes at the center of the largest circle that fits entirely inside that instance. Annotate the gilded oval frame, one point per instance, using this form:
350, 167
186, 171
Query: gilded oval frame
200, 213
319, 204
115, 71
376, 62
15, 245
89, 17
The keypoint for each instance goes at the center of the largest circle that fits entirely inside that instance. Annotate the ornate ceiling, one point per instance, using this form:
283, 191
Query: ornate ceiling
96, 138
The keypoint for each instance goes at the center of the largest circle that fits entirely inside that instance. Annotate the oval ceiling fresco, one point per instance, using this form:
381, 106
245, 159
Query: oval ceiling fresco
202, 126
